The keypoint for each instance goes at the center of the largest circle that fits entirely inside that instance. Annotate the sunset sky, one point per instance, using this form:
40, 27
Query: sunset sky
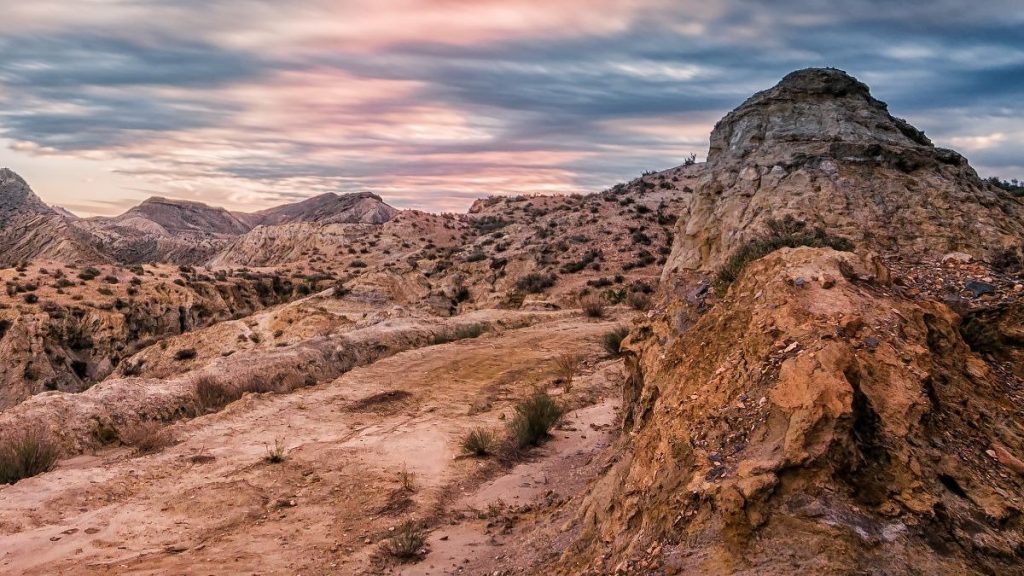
431, 103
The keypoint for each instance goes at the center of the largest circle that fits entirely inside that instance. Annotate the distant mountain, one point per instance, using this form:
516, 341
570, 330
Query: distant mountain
330, 208
29, 229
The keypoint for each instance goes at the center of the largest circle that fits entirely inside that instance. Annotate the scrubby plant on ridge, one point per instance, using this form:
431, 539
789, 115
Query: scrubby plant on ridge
612, 340
786, 233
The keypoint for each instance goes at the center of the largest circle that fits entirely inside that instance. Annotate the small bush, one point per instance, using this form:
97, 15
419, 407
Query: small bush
613, 340
212, 394
147, 437
534, 418
25, 453
593, 307
185, 354
785, 233
639, 301
479, 442
535, 283
406, 544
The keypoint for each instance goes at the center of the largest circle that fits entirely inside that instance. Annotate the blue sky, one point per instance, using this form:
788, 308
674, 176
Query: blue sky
432, 103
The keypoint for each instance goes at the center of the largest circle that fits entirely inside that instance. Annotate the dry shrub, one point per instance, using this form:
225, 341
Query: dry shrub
407, 543
212, 394
25, 453
593, 306
568, 366
148, 437
534, 418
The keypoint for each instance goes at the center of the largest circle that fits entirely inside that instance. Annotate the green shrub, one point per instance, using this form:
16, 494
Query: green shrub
479, 442
785, 233
613, 340
533, 420
26, 452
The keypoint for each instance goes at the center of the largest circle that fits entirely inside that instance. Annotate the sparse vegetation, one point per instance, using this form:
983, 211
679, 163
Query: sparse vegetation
479, 442
613, 340
593, 307
535, 283
147, 437
534, 419
25, 453
786, 233
275, 454
185, 354
568, 367
1013, 186
407, 479
406, 544
212, 395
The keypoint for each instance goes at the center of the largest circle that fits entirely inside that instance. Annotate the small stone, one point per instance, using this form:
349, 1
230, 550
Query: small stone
957, 258
871, 343
978, 288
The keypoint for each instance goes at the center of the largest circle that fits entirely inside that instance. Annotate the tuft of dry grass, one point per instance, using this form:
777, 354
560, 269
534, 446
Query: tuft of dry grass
407, 543
593, 306
407, 480
148, 437
275, 455
25, 453
534, 418
479, 442
212, 394
568, 367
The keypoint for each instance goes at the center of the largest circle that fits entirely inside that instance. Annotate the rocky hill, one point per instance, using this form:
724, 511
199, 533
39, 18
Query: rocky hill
29, 229
819, 148
162, 230
829, 407
330, 208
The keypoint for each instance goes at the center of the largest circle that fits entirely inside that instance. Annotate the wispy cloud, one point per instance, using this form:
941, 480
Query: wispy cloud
433, 102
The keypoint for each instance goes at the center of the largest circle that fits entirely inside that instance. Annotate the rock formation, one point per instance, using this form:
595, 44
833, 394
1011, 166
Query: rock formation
820, 148
824, 414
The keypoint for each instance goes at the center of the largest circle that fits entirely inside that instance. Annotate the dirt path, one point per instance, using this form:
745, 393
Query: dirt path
212, 505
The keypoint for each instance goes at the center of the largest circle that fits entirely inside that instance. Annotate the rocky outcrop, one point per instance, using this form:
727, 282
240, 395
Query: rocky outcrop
818, 147
834, 412
813, 418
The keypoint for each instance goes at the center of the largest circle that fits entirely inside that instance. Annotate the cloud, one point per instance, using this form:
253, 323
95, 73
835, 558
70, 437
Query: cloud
434, 102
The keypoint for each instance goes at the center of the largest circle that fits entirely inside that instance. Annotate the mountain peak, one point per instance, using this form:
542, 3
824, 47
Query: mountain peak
17, 197
813, 112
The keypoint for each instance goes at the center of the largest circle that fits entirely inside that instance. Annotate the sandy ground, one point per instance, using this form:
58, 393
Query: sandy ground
212, 505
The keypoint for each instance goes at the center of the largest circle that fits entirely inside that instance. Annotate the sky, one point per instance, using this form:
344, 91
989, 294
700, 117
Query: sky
433, 103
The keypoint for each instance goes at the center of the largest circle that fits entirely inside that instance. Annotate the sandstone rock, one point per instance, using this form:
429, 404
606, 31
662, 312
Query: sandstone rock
830, 154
